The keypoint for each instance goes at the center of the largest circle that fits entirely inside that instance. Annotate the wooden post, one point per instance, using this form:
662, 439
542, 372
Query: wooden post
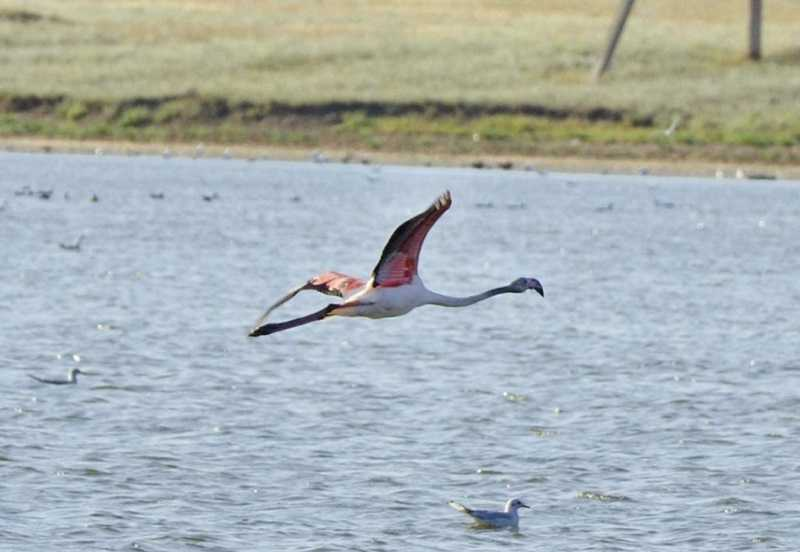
616, 32
755, 29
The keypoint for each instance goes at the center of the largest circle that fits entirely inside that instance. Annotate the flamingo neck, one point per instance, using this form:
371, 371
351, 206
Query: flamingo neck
449, 301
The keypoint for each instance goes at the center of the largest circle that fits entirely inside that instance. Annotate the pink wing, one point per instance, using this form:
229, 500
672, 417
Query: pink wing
400, 258
329, 283
335, 283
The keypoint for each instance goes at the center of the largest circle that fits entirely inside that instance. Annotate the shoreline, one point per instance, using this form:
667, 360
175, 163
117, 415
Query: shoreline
566, 164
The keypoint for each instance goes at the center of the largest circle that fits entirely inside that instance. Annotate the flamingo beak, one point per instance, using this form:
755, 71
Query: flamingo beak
537, 285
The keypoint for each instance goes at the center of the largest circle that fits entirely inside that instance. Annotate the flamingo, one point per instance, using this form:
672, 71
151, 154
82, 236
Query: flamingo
394, 288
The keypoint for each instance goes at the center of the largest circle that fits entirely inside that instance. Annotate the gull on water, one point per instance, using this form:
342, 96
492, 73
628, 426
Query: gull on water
72, 377
76, 246
507, 519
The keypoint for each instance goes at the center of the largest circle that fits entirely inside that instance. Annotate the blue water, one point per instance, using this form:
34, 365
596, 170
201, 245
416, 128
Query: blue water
650, 401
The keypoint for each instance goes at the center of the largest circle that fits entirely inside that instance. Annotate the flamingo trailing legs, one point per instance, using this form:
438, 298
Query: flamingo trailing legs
394, 288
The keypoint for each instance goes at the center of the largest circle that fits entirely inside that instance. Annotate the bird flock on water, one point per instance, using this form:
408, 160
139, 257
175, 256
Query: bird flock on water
394, 288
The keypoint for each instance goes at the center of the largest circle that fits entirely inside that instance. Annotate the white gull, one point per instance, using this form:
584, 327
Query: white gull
507, 519
72, 378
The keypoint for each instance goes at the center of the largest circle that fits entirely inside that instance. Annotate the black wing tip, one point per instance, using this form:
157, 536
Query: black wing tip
273, 327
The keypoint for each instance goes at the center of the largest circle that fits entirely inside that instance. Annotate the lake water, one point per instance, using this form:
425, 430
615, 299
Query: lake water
650, 401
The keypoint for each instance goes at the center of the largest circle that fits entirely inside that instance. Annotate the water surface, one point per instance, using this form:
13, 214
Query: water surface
650, 401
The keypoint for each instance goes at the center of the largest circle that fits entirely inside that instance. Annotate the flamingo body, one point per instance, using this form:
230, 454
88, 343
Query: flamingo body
387, 301
394, 288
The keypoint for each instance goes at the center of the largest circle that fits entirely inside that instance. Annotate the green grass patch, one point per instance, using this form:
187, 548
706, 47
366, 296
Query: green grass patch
135, 117
74, 110
435, 127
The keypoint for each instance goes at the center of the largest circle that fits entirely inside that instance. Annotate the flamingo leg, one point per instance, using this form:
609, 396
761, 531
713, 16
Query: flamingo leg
273, 327
280, 302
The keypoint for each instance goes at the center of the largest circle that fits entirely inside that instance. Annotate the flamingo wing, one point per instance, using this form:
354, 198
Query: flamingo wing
400, 257
335, 283
329, 283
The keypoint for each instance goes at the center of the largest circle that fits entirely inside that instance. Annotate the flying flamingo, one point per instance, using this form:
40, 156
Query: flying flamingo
394, 287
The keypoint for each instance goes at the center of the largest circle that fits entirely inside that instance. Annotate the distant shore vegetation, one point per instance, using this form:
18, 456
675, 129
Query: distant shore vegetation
448, 77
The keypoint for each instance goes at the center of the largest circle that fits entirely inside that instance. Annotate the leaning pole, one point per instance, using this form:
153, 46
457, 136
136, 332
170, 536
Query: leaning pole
613, 39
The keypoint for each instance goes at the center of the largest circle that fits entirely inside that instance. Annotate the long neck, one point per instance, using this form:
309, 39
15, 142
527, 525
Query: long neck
448, 301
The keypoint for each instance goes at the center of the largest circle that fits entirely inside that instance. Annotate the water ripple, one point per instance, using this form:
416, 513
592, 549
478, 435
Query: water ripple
662, 364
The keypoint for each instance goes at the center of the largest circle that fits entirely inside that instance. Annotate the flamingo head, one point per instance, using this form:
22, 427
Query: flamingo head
515, 504
524, 284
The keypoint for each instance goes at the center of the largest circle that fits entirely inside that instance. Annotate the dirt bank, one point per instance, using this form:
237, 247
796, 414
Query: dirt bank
530, 163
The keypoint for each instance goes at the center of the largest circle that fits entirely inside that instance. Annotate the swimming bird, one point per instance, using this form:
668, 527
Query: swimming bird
72, 246
319, 157
507, 519
72, 377
394, 288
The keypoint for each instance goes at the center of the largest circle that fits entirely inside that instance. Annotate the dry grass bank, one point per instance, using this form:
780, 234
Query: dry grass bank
677, 59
